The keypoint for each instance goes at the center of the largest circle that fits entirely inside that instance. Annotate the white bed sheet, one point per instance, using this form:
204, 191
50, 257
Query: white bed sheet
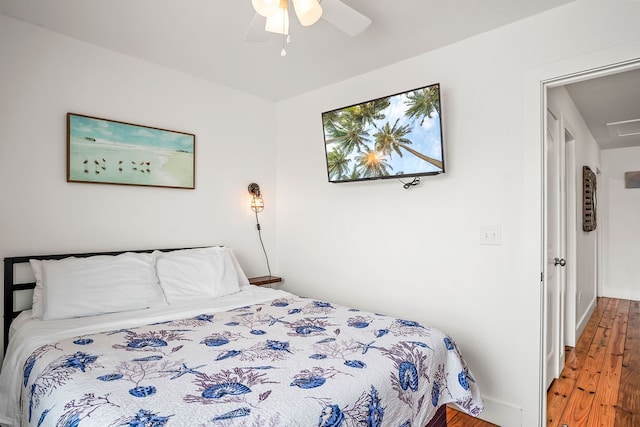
23, 318
28, 334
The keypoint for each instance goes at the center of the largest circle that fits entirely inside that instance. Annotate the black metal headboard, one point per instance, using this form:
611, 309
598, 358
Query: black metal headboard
10, 287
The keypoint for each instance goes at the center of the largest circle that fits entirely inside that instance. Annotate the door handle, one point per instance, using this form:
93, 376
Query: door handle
558, 261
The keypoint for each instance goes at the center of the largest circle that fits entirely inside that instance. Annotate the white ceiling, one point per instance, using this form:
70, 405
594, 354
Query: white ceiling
610, 99
205, 38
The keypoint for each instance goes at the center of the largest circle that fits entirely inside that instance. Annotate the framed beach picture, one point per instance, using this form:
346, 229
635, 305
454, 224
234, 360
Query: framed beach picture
112, 152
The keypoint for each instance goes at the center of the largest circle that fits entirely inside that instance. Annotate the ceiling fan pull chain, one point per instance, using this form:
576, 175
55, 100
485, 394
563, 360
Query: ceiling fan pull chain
286, 38
283, 52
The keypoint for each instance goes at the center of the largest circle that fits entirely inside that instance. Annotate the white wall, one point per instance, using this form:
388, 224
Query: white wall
621, 224
587, 153
416, 253
374, 245
44, 75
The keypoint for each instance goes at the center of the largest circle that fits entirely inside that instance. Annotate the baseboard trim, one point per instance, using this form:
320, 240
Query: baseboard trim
585, 319
629, 294
500, 413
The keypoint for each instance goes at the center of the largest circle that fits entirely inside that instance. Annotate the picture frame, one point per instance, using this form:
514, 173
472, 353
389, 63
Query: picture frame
103, 151
632, 179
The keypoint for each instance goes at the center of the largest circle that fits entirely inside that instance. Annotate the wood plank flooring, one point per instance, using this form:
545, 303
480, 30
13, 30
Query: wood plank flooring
458, 419
600, 384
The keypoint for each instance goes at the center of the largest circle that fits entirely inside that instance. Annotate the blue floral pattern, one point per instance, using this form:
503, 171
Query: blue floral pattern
242, 367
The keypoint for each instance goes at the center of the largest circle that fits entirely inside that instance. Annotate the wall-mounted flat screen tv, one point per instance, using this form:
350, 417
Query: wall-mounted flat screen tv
391, 137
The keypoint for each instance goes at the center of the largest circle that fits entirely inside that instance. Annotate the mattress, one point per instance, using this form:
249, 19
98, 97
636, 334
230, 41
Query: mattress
255, 358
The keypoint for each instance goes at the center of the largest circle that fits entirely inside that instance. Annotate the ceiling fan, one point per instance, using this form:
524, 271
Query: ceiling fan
273, 16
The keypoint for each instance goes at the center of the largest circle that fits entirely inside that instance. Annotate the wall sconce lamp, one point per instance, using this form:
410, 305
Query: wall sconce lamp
257, 204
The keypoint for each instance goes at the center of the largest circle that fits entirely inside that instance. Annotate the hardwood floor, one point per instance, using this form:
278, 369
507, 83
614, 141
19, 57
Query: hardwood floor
458, 419
600, 384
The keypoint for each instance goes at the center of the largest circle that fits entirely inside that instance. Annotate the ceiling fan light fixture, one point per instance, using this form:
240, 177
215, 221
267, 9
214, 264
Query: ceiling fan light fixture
278, 22
307, 11
266, 8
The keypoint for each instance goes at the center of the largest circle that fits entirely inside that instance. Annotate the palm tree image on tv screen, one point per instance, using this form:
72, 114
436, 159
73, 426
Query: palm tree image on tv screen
392, 137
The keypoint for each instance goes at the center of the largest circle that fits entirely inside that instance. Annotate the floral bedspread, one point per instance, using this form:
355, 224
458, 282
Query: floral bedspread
286, 362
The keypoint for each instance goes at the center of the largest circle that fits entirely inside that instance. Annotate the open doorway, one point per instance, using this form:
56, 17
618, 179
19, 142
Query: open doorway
574, 286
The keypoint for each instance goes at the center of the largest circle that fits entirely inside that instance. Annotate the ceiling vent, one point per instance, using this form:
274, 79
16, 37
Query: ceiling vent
624, 128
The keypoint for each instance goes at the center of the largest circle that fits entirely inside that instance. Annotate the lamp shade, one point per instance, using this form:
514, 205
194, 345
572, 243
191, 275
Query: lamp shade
266, 8
278, 22
257, 204
307, 11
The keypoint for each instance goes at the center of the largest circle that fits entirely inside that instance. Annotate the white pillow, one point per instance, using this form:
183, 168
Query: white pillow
77, 287
36, 305
189, 274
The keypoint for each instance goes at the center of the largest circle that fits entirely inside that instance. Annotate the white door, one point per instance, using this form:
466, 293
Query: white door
555, 237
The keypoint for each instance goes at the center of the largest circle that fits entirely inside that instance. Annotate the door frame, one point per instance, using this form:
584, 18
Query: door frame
571, 227
570, 321
623, 57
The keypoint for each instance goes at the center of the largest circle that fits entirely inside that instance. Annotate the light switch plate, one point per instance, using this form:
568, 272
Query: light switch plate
491, 235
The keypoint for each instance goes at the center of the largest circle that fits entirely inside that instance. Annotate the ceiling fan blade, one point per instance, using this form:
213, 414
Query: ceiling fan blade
256, 33
344, 17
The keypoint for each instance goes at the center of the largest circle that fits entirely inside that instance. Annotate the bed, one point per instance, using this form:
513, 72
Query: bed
180, 338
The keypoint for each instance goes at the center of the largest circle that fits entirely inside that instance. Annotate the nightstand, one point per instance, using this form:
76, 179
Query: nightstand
264, 280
